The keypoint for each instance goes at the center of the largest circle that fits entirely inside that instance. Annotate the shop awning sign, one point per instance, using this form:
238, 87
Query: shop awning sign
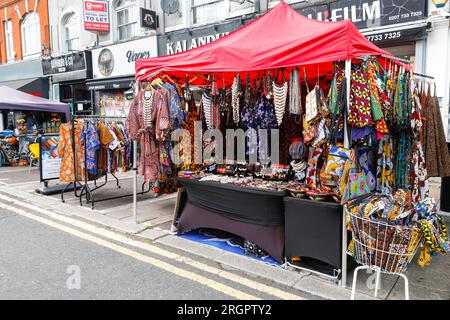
65, 63
96, 16
369, 13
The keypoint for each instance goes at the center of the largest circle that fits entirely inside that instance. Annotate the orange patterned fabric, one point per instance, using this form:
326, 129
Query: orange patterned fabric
65, 150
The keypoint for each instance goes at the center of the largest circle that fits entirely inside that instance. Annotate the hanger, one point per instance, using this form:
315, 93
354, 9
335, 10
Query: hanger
168, 78
197, 76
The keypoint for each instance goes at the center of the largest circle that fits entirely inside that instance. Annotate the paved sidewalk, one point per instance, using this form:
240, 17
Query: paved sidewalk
155, 215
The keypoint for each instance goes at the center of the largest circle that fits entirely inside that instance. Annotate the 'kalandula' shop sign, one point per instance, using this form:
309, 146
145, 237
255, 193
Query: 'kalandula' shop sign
179, 41
369, 14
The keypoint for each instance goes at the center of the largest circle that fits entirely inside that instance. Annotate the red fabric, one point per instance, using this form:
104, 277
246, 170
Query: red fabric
279, 38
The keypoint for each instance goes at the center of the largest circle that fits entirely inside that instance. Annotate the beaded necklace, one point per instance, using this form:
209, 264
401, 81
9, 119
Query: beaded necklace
279, 98
295, 95
206, 101
147, 100
235, 97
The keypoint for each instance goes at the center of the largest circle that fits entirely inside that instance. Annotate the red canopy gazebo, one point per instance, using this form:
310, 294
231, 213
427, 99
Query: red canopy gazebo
280, 38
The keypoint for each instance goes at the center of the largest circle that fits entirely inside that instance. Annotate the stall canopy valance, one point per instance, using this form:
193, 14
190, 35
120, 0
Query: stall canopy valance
12, 99
281, 38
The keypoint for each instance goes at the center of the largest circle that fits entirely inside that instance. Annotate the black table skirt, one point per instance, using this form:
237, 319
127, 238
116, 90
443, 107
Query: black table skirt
254, 214
314, 230
248, 205
270, 238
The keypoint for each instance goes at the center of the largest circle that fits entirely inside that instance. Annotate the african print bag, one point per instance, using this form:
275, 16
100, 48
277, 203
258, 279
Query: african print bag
337, 156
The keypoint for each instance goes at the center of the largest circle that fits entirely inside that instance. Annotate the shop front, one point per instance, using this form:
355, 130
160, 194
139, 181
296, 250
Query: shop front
113, 75
67, 74
182, 40
354, 156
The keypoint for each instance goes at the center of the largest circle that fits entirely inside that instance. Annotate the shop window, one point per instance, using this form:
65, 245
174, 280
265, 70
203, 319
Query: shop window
9, 40
204, 11
71, 32
31, 35
405, 50
126, 19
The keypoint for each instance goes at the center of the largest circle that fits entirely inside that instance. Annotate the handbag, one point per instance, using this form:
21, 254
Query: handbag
322, 133
312, 112
311, 167
336, 159
356, 184
309, 131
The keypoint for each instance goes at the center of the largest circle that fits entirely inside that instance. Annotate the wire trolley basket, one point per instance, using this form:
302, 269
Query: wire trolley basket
381, 246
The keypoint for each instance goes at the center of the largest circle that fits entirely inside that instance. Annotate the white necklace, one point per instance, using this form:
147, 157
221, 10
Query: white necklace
279, 99
235, 100
295, 96
206, 100
148, 108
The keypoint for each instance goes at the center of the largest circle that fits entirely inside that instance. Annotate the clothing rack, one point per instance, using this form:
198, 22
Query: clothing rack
396, 58
423, 76
87, 190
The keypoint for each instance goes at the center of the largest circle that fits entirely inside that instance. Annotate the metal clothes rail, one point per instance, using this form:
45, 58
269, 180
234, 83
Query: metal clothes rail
86, 190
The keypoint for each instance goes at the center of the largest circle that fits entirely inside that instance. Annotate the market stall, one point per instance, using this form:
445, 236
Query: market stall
347, 117
23, 117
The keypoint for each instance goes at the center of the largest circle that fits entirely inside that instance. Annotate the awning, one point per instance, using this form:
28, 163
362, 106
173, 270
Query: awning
11, 99
280, 38
110, 84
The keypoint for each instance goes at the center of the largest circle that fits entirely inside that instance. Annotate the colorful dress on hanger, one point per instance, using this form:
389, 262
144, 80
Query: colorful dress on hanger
436, 151
65, 150
92, 146
419, 176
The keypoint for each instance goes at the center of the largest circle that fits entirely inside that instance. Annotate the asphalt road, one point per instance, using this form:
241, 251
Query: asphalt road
41, 261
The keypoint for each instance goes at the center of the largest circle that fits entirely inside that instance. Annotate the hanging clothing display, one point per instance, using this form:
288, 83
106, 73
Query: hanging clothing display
72, 165
435, 145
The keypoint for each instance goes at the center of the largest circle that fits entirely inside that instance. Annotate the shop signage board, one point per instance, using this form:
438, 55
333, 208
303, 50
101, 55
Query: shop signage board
119, 60
369, 13
179, 41
65, 63
49, 159
403, 35
96, 15
148, 19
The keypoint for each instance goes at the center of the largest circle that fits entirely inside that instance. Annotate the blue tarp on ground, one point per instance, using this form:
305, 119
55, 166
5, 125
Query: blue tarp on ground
223, 243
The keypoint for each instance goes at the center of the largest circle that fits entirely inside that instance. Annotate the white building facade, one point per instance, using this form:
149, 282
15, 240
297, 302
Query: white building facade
417, 30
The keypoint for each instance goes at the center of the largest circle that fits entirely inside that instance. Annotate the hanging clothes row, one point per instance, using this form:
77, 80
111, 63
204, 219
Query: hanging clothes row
91, 148
156, 111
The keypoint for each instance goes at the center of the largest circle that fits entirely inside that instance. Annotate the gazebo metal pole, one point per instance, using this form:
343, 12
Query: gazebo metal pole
348, 69
135, 182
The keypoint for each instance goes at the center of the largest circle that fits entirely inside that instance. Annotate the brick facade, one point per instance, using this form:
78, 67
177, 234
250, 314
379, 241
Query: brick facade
8, 12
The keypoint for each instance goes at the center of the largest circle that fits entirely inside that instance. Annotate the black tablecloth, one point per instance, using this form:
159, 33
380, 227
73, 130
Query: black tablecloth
249, 205
270, 238
313, 229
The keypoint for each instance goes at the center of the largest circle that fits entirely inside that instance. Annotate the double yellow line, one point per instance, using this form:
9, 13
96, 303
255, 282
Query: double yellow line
213, 284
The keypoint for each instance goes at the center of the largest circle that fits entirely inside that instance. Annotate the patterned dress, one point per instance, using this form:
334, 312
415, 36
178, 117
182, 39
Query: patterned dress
150, 136
65, 150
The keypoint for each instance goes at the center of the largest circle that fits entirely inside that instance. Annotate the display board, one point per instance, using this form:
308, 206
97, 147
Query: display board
49, 159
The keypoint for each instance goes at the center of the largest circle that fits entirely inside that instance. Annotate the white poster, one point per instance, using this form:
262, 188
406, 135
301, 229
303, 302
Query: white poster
119, 60
50, 159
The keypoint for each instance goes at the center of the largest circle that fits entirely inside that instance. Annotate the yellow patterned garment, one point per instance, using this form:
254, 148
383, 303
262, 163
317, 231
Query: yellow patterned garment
65, 150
